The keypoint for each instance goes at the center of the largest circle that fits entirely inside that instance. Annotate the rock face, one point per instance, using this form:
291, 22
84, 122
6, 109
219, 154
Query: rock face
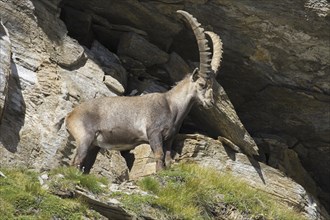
275, 71
46, 81
5, 58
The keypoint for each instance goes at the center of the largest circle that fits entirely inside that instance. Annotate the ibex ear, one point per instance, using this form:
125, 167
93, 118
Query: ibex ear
194, 75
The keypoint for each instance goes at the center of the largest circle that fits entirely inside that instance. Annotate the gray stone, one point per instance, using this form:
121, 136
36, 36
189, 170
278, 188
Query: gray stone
33, 40
110, 63
101, 21
133, 66
114, 85
144, 163
103, 55
27, 77
137, 15
112, 165
111, 211
70, 54
137, 47
118, 72
86, 82
2, 175
146, 85
176, 67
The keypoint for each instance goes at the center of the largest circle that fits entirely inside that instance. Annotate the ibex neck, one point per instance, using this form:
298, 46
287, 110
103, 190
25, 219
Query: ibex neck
181, 99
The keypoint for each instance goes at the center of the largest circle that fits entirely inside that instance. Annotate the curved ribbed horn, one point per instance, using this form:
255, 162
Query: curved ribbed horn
217, 51
204, 50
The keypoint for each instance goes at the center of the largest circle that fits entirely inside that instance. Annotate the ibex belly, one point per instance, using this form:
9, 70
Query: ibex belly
118, 139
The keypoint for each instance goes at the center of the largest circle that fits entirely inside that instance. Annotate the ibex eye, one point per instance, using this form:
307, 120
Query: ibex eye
203, 85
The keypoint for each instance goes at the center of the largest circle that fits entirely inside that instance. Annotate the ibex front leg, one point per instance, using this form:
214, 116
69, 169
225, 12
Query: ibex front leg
156, 144
168, 150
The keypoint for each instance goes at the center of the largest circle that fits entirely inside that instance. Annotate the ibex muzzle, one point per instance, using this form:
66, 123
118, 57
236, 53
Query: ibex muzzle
122, 123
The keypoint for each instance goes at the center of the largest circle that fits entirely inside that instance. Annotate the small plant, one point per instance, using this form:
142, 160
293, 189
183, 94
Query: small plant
72, 177
150, 184
136, 202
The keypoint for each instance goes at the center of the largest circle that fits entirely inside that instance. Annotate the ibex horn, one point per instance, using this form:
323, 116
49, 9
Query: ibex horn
217, 51
204, 50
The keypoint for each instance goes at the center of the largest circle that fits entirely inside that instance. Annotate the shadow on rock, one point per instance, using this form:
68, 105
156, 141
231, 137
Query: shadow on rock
14, 113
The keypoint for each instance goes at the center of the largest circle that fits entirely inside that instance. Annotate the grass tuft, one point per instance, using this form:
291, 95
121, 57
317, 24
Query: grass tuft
73, 177
150, 184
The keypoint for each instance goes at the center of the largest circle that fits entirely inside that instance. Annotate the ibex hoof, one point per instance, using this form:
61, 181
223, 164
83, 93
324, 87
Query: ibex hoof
159, 165
168, 163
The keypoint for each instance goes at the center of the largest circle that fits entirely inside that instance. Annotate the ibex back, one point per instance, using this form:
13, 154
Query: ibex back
122, 123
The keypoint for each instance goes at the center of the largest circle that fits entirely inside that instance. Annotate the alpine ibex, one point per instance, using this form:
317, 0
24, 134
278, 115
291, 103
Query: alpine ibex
122, 123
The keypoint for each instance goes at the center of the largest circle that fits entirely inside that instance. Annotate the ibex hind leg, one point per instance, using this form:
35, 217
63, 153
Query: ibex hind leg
83, 148
90, 158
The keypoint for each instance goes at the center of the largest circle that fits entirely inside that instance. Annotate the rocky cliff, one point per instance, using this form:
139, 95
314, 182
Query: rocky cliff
275, 71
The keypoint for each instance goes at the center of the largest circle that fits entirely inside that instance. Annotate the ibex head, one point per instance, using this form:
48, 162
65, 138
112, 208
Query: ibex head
202, 77
202, 88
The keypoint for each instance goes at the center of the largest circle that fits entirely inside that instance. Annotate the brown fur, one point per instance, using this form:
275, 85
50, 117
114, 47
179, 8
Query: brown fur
121, 123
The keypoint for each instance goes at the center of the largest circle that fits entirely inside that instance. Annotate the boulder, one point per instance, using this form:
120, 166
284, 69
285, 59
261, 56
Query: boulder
137, 47
112, 165
111, 65
133, 66
144, 163
109, 34
110, 69
114, 85
69, 54
103, 55
176, 67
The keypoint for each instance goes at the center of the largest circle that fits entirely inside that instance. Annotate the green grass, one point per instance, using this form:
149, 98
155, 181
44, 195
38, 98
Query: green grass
189, 191
21, 197
186, 191
134, 202
73, 177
